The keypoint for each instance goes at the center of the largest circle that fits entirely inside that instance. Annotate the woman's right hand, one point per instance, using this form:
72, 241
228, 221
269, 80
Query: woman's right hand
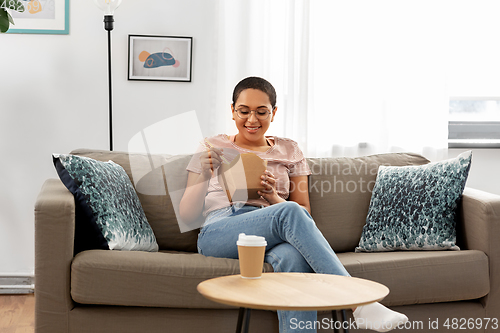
193, 199
210, 160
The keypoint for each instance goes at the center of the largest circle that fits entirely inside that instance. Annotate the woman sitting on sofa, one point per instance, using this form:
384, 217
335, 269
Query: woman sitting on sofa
294, 243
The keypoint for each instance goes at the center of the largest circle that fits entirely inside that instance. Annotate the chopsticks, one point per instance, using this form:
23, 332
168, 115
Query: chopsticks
208, 145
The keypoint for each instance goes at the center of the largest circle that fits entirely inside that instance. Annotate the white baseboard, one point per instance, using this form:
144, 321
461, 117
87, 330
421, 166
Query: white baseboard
17, 284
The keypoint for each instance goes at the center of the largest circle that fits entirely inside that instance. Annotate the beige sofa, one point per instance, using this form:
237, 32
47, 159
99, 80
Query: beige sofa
118, 291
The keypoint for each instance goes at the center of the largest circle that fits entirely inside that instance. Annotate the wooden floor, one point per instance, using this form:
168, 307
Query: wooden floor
17, 313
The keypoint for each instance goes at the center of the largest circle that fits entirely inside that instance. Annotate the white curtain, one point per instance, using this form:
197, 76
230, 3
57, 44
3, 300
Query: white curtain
353, 77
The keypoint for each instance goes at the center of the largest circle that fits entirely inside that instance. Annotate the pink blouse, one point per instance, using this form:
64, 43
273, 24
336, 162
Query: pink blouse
284, 160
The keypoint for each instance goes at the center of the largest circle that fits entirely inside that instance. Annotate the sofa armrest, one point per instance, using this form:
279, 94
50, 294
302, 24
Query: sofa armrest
480, 225
54, 239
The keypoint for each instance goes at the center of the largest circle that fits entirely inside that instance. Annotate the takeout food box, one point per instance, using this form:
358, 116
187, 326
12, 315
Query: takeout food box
240, 179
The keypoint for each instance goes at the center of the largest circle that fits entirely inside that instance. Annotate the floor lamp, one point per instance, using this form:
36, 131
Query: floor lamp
109, 6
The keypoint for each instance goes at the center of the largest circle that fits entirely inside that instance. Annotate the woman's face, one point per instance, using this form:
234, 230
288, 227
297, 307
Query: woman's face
253, 129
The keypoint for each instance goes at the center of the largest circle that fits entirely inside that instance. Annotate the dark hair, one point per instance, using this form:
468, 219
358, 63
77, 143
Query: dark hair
258, 83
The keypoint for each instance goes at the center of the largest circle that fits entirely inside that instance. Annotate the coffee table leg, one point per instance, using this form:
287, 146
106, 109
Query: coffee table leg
344, 320
246, 324
334, 320
243, 320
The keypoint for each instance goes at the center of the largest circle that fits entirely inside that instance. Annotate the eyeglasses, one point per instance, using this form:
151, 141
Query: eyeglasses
261, 114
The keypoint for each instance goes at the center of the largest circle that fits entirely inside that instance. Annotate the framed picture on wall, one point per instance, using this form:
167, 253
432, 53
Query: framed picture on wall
159, 58
40, 17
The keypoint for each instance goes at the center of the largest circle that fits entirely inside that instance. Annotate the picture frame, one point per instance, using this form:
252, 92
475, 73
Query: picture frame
160, 58
41, 17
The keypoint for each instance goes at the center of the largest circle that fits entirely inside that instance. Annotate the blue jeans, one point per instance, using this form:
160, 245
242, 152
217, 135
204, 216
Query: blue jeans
294, 244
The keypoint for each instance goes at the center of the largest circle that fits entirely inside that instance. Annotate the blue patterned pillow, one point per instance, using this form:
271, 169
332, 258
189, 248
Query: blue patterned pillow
108, 213
413, 207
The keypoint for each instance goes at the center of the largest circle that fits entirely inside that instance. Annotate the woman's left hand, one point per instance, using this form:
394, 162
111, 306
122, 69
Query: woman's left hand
269, 193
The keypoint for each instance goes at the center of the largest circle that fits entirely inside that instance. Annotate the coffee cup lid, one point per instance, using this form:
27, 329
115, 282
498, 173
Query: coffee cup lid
251, 240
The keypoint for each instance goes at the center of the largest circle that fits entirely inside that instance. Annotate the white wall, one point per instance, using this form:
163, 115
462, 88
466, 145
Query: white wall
53, 98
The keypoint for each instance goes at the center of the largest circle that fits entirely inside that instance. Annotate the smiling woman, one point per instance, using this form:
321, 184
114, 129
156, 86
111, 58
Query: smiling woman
282, 212
253, 118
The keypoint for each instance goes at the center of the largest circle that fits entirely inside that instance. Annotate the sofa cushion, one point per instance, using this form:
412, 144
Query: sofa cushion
416, 277
340, 191
149, 175
163, 279
110, 213
414, 207
170, 279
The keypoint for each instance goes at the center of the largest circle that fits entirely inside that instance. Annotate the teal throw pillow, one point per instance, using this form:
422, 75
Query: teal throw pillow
108, 213
414, 207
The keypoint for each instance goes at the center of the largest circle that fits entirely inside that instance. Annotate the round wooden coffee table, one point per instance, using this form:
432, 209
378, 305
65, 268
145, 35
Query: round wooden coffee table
291, 291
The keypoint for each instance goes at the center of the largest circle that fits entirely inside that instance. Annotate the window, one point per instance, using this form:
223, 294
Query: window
474, 122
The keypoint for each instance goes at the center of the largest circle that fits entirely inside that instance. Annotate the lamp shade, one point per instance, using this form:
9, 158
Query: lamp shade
108, 6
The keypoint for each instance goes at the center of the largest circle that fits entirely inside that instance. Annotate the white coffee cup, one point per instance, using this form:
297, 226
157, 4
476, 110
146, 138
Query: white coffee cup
251, 250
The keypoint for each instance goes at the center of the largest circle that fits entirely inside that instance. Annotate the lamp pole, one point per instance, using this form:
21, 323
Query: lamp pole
109, 6
108, 26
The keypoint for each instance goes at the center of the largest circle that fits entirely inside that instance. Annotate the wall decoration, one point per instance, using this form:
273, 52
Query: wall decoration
159, 58
41, 17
